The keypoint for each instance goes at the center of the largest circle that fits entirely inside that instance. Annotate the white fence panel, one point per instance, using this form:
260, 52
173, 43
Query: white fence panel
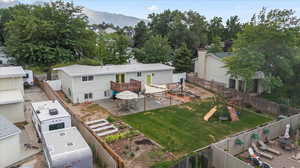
178, 76
55, 84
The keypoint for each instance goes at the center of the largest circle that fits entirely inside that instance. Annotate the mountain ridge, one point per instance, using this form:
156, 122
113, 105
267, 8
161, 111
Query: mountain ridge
94, 17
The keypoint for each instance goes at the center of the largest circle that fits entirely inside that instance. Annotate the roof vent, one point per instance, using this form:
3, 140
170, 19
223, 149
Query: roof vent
53, 111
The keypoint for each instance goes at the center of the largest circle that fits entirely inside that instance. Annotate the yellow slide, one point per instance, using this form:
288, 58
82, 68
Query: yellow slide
210, 113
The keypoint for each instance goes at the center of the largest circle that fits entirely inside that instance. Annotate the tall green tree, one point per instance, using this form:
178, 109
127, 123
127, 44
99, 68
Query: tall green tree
216, 29
269, 45
141, 34
155, 50
233, 27
216, 45
183, 59
113, 48
44, 35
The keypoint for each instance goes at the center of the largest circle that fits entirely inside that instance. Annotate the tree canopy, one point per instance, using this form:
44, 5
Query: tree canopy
269, 44
48, 34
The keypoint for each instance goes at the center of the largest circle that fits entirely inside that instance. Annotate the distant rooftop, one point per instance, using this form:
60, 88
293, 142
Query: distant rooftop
44, 106
11, 72
10, 97
7, 128
79, 70
65, 141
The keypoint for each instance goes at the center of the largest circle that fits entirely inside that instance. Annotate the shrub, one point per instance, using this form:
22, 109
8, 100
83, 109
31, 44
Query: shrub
121, 135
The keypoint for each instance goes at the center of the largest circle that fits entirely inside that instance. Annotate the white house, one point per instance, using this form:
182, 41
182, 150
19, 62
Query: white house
83, 83
210, 67
11, 93
9, 142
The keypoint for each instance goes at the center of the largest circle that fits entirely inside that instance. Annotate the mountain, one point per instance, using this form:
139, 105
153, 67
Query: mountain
94, 17
97, 17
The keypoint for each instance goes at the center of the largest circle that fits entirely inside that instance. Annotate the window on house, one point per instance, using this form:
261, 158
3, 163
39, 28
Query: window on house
107, 93
88, 95
56, 126
84, 78
139, 74
87, 78
232, 83
90, 78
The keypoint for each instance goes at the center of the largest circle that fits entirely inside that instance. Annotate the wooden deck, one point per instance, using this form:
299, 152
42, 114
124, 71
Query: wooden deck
133, 85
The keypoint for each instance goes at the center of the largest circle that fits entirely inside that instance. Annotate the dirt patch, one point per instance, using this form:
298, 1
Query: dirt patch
86, 111
139, 152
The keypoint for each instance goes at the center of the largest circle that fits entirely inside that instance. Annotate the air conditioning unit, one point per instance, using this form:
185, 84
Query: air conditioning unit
53, 111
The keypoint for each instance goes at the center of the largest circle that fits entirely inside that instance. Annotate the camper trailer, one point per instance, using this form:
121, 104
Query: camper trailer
28, 78
49, 116
66, 148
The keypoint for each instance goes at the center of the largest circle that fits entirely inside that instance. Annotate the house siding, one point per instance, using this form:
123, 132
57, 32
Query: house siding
13, 112
215, 71
8, 157
12, 84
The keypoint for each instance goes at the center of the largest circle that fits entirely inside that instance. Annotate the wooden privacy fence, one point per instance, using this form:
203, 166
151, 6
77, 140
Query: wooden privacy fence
258, 103
101, 150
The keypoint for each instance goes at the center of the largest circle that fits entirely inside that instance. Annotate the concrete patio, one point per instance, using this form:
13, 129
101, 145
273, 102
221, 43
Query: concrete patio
153, 102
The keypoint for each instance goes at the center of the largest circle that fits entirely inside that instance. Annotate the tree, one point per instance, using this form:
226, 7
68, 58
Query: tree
113, 48
233, 27
183, 59
216, 45
268, 44
141, 34
216, 29
44, 35
155, 50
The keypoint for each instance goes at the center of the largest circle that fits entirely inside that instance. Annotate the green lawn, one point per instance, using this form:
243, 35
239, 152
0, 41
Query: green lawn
181, 129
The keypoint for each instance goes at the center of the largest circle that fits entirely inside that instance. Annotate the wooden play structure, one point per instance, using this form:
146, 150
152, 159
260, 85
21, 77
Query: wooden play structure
210, 113
233, 114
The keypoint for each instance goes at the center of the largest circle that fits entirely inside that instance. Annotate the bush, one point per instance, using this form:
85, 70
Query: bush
119, 136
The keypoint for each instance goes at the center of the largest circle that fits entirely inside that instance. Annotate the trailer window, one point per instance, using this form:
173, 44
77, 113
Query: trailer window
56, 126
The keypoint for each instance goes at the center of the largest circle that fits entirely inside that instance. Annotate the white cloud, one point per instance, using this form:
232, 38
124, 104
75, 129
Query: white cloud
7, 1
152, 8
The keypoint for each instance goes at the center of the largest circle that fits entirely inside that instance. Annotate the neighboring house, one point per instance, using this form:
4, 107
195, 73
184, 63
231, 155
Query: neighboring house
210, 67
9, 142
12, 93
83, 83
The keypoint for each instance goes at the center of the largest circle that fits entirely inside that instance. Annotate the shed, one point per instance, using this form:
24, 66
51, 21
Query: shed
12, 105
67, 148
9, 142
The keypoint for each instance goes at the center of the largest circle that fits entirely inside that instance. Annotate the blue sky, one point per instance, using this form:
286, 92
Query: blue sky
209, 8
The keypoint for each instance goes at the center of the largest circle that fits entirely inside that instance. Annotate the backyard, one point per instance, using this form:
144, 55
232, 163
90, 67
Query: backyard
181, 129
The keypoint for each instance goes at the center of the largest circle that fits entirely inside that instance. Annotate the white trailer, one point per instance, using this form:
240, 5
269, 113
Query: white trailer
28, 78
48, 116
66, 148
